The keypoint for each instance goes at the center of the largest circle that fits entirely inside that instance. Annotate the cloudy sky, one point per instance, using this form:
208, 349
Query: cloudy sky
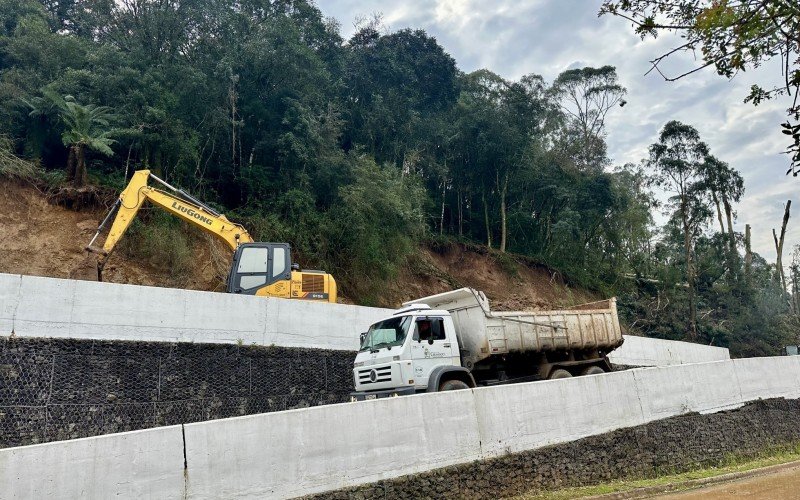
517, 37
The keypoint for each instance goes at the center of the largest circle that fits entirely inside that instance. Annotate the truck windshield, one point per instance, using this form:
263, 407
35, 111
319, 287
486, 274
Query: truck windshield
387, 333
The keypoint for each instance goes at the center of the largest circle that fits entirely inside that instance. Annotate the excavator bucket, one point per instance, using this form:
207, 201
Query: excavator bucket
87, 270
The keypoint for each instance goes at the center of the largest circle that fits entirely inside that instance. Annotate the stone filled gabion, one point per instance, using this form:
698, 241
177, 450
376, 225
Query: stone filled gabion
671, 445
55, 389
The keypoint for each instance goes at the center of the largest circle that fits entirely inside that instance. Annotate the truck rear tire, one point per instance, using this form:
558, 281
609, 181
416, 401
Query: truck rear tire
559, 373
592, 370
453, 385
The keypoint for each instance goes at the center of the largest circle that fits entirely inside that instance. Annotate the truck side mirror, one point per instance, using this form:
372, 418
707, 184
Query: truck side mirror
363, 337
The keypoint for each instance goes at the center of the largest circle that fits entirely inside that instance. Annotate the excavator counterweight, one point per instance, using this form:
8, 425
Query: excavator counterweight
258, 268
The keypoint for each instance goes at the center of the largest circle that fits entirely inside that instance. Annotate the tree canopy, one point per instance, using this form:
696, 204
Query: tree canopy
357, 150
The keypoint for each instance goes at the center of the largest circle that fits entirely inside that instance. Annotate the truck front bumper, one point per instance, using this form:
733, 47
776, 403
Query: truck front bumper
386, 393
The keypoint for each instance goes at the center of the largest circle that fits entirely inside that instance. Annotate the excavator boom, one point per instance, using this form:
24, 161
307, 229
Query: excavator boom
180, 204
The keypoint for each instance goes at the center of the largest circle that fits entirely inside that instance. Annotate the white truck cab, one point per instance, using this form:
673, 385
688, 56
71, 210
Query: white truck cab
403, 353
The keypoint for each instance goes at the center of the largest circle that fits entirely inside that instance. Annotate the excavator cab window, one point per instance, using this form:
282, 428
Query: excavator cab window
256, 265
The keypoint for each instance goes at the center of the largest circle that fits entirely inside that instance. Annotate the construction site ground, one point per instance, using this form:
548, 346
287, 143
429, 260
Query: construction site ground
772, 477
40, 238
771, 484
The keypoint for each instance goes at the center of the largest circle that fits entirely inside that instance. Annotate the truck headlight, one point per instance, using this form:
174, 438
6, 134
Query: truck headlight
358, 363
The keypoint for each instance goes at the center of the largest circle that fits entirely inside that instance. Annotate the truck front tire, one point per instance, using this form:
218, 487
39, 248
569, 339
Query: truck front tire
453, 385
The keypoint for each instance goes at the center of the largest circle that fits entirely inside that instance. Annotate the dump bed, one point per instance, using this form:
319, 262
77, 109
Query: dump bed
482, 333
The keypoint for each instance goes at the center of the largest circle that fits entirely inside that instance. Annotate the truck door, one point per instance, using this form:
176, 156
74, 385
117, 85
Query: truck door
431, 346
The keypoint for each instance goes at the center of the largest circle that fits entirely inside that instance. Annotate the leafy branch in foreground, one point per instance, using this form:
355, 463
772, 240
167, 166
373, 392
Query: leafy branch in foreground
732, 36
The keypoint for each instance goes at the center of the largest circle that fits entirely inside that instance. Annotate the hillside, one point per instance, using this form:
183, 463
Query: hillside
43, 239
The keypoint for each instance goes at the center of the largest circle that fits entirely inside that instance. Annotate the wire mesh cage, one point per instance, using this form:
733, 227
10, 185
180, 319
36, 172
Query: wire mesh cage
55, 389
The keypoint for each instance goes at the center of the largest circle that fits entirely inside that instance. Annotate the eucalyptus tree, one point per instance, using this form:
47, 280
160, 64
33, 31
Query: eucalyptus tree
586, 96
677, 162
726, 187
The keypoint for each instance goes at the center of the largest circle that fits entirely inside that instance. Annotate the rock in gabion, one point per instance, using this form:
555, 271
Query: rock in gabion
55, 389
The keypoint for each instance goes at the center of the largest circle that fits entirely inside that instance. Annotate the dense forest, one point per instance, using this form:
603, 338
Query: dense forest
357, 151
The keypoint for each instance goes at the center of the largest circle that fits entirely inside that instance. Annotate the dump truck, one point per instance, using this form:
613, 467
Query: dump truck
454, 341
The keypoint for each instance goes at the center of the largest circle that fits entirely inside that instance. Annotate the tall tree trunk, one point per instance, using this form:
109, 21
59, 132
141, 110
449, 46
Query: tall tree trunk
748, 252
441, 214
232, 100
128, 160
72, 160
687, 246
460, 214
486, 220
779, 245
503, 224
80, 166
719, 212
795, 282
733, 252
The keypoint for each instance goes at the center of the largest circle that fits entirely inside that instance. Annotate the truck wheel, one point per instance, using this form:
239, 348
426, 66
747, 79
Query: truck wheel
592, 370
560, 373
453, 385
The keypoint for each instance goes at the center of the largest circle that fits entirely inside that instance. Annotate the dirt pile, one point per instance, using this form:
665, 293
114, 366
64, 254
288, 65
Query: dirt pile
43, 239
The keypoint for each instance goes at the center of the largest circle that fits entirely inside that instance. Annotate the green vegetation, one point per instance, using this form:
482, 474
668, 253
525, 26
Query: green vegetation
357, 150
673, 481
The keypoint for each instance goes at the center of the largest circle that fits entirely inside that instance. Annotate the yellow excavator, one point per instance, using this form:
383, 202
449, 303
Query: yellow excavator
263, 269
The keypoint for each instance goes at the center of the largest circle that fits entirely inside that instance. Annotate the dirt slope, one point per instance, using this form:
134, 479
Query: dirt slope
42, 239
510, 283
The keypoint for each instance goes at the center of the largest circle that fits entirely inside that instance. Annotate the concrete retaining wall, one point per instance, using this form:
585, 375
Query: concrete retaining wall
669, 446
324, 448
644, 351
137, 465
32, 306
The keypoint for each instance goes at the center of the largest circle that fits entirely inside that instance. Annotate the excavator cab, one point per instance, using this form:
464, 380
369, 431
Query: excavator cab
265, 269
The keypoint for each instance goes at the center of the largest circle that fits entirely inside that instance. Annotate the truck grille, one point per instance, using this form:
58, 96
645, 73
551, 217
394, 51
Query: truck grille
313, 283
382, 374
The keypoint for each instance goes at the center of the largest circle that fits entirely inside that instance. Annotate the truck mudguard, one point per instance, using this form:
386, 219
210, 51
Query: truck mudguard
438, 373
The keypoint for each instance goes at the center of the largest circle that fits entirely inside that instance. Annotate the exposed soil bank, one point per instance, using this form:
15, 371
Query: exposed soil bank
42, 239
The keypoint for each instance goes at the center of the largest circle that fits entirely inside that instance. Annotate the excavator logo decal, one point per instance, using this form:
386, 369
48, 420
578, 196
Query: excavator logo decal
191, 213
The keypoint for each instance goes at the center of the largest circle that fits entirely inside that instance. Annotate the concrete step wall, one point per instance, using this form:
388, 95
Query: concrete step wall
644, 351
32, 306
298, 452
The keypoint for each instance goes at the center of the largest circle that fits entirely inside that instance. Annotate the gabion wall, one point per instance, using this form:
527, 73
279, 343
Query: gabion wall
55, 389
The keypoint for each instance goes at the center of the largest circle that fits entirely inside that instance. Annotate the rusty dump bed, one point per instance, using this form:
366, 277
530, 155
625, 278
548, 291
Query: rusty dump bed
484, 333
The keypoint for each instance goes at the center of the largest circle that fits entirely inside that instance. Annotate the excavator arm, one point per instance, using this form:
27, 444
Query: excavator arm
176, 202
